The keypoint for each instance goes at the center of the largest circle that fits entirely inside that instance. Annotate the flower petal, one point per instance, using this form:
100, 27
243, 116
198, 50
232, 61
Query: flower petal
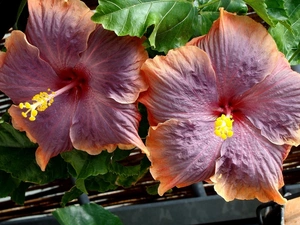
100, 123
60, 29
273, 105
182, 152
114, 64
181, 85
241, 50
50, 129
250, 166
23, 73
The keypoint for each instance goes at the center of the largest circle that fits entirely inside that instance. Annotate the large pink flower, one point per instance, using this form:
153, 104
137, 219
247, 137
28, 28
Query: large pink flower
224, 109
89, 76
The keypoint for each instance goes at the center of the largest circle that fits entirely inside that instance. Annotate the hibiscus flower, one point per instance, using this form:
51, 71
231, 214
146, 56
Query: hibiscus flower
223, 109
73, 83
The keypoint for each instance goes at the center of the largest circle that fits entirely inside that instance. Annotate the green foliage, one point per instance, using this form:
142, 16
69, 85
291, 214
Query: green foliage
10, 137
276, 11
91, 214
20, 162
102, 183
86, 165
18, 158
209, 11
260, 7
287, 33
132, 174
18, 194
153, 189
172, 22
18, 167
166, 23
8, 184
102, 172
73, 193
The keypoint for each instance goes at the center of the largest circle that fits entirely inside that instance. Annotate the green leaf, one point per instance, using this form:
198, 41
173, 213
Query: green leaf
132, 174
86, 165
105, 171
18, 195
124, 170
288, 38
276, 10
153, 189
209, 11
260, 7
206, 20
21, 164
126, 181
8, 184
101, 183
18, 158
127, 175
80, 184
119, 154
73, 193
10, 137
172, 22
91, 214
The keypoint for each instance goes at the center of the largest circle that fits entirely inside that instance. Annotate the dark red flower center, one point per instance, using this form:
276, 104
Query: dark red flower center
72, 79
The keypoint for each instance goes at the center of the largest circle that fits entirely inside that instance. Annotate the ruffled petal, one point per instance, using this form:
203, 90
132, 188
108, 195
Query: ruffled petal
60, 29
182, 152
100, 123
273, 105
242, 53
114, 65
23, 73
50, 129
182, 85
250, 166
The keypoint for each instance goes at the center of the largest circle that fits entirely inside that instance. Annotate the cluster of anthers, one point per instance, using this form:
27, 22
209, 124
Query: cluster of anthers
223, 127
40, 103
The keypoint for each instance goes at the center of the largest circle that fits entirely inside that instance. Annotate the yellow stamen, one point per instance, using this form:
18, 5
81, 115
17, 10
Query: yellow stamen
40, 103
223, 126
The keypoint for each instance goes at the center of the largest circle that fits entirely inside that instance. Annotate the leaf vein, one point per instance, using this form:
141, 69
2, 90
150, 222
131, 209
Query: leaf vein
180, 23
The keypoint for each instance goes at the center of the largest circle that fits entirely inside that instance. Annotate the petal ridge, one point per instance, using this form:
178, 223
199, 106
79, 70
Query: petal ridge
280, 91
241, 50
19, 70
114, 65
181, 86
182, 152
250, 166
51, 26
110, 124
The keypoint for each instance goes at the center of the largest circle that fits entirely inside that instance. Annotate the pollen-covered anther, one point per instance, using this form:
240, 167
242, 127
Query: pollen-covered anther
40, 103
223, 127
